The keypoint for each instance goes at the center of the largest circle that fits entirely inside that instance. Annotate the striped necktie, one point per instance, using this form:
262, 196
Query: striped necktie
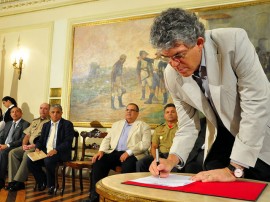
10, 133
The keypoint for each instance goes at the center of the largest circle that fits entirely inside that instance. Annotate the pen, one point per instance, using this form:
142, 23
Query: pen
157, 160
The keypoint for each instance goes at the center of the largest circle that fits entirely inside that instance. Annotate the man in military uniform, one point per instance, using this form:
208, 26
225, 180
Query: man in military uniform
117, 87
162, 139
17, 168
145, 74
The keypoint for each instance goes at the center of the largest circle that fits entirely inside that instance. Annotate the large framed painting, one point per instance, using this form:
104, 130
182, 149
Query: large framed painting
113, 63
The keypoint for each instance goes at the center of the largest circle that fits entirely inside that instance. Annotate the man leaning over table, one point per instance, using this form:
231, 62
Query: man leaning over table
127, 141
17, 158
218, 73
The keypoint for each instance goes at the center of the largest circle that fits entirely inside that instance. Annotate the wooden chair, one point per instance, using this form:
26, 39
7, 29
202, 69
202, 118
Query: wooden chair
74, 149
82, 163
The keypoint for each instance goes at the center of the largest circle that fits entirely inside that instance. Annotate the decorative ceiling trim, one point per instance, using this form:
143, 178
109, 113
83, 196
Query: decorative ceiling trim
19, 7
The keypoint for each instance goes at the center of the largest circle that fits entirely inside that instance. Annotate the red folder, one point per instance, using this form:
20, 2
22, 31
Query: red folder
242, 190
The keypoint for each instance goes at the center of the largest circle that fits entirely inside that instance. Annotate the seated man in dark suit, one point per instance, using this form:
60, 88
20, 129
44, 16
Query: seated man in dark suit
17, 158
56, 141
11, 138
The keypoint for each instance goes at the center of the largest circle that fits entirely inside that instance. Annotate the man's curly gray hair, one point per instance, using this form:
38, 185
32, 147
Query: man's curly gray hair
173, 26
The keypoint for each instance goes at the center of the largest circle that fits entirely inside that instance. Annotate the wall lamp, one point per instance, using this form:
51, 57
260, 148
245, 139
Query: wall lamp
18, 66
18, 60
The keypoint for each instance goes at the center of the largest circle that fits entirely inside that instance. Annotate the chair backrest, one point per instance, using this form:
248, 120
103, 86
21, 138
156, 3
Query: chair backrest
75, 143
95, 133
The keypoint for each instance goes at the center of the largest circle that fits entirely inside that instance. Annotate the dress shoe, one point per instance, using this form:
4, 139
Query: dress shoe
10, 184
42, 186
17, 186
94, 197
51, 190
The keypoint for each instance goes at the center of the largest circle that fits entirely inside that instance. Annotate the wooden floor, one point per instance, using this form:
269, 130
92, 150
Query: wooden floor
29, 195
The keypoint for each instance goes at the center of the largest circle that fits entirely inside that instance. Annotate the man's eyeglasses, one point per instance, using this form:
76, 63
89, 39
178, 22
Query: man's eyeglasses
131, 110
178, 56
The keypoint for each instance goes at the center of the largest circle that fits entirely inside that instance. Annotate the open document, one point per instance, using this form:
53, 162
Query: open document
171, 181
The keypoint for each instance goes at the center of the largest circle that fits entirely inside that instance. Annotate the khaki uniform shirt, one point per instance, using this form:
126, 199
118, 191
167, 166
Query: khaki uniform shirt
163, 136
34, 130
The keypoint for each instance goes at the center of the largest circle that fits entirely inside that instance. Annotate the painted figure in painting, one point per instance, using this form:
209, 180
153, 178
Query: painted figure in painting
117, 86
159, 66
145, 75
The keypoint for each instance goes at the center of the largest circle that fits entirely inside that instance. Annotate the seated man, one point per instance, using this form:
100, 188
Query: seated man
11, 138
162, 139
127, 141
56, 141
17, 158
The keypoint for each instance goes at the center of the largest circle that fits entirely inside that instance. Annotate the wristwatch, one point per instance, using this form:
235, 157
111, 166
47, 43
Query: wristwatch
238, 172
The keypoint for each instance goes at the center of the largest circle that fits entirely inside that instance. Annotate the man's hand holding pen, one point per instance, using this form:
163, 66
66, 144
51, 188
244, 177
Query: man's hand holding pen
163, 169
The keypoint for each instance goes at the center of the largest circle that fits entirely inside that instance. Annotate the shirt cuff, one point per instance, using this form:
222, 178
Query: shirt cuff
240, 164
181, 164
8, 145
129, 152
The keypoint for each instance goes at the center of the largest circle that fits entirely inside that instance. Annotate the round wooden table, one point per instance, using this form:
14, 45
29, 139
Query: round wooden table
110, 189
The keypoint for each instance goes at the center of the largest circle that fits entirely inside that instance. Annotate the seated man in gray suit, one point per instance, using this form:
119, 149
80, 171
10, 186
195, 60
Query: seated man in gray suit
127, 141
17, 158
11, 138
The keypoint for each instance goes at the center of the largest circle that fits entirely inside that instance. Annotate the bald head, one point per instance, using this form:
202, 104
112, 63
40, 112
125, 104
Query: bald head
44, 110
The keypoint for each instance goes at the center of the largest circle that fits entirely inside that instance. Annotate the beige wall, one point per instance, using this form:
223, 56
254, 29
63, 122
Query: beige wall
48, 36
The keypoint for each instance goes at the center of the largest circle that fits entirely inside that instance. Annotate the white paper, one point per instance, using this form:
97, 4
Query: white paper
172, 181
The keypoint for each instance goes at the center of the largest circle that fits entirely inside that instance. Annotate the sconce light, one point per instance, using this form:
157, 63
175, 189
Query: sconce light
18, 66
18, 59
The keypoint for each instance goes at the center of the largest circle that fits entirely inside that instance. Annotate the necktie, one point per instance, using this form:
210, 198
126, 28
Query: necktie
199, 77
10, 133
51, 137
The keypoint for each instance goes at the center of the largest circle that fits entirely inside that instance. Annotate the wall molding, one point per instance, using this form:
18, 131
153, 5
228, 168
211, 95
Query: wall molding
19, 7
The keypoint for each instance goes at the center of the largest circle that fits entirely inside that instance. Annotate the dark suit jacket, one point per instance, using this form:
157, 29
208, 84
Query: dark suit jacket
65, 134
18, 133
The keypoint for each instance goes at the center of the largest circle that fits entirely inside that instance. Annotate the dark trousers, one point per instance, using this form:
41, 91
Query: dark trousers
4, 163
50, 164
219, 157
194, 162
102, 167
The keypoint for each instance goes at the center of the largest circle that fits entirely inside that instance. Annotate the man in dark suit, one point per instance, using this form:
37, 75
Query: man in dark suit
56, 141
11, 137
